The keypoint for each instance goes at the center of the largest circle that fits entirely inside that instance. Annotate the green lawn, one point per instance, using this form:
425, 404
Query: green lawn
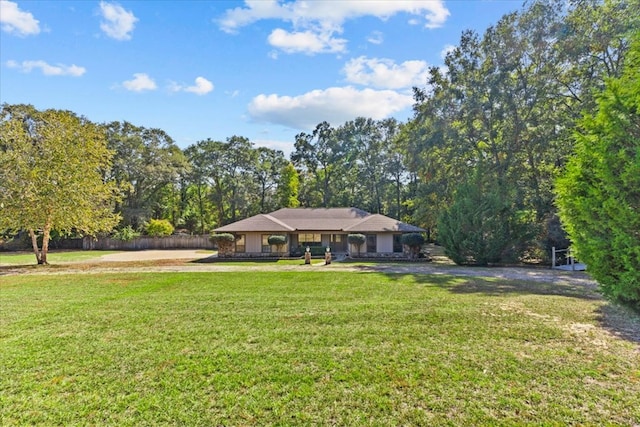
26, 258
311, 348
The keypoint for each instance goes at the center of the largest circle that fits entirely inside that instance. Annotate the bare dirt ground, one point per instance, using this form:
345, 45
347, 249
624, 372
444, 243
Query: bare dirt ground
186, 260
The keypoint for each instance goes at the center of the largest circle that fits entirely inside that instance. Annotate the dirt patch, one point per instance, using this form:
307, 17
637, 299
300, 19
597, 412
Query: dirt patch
190, 254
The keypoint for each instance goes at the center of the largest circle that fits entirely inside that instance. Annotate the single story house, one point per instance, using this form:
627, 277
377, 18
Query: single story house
319, 228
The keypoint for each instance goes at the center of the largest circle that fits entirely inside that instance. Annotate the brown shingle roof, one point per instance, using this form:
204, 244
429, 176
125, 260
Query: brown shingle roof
259, 222
319, 219
379, 222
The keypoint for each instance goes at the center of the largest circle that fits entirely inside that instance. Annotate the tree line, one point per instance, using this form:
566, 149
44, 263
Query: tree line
476, 164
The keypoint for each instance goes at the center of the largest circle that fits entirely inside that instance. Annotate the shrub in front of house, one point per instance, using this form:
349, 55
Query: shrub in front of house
277, 240
414, 241
357, 240
224, 242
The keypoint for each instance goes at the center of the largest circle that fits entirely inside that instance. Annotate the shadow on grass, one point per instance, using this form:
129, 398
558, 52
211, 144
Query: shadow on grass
498, 286
621, 321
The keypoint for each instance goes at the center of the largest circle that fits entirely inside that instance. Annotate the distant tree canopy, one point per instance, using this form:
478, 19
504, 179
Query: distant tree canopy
502, 110
52, 169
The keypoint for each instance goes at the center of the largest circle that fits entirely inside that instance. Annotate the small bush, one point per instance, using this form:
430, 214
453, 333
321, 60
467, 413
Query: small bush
126, 234
159, 227
277, 240
357, 240
224, 242
414, 241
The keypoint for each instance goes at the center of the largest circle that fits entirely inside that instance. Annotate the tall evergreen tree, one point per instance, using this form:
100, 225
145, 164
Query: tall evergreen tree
599, 193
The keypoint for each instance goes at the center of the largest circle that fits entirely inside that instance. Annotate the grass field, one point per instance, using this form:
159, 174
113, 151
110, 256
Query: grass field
312, 348
26, 258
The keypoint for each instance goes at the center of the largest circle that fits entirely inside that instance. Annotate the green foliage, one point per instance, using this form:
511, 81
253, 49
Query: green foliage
414, 241
126, 234
147, 166
159, 228
481, 226
357, 240
52, 172
508, 100
288, 187
277, 240
599, 193
222, 237
224, 242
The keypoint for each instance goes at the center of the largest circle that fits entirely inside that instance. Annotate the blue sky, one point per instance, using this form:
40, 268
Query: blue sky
264, 69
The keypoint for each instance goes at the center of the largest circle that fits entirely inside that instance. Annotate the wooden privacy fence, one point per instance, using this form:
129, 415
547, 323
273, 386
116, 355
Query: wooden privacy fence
139, 243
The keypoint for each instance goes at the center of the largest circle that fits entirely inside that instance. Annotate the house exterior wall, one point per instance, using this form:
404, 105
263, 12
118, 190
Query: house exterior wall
253, 246
254, 242
385, 243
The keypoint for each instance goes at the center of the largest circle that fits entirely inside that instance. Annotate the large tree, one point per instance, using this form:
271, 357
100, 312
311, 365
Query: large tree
507, 100
52, 169
147, 166
599, 193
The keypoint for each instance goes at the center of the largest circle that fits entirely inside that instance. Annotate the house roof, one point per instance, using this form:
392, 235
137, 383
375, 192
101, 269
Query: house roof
261, 222
351, 220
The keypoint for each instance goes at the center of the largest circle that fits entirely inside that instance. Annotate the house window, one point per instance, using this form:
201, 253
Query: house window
266, 247
310, 239
397, 243
371, 243
241, 243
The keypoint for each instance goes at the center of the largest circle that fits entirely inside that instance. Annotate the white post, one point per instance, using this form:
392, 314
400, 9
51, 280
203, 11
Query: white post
573, 261
553, 257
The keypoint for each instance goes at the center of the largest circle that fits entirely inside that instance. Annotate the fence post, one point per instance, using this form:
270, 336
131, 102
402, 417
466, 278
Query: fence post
553, 257
573, 261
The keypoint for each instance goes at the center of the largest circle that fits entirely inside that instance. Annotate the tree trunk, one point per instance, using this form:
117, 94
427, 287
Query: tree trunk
45, 243
34, 243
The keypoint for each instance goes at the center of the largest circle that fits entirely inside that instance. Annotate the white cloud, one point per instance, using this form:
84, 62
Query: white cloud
47, 69
308, 42
202, 86
384, 73
285, 146
324, 18
140, 83
375, 37
446, 49
118, 23
16, 21
335, 105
